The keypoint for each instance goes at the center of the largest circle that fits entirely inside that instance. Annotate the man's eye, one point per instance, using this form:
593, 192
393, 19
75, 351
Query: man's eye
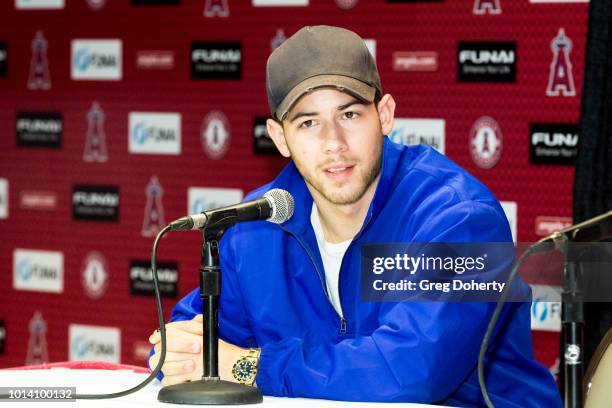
306, 124
351, 115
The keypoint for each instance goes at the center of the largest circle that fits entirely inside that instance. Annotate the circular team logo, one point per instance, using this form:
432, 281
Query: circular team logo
346, 4
95, 275
486, 142
215, 134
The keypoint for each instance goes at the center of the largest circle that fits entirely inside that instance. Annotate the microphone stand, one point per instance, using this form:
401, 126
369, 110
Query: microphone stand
210, 390
572, 326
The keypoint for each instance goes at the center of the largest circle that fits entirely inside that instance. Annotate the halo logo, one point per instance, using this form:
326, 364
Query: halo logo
561, 79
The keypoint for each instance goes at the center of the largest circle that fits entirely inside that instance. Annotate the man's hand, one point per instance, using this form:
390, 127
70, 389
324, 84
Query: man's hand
184, 353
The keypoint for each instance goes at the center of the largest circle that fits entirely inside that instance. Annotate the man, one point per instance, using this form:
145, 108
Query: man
290, 294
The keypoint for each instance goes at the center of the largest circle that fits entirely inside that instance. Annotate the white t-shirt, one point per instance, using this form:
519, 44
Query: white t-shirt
332, 255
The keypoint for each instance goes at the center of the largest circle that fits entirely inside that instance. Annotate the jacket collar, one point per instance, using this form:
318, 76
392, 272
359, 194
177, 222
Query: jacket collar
291, 180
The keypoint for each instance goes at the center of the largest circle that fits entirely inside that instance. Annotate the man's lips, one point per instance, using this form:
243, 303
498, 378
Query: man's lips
338, 168
338, 171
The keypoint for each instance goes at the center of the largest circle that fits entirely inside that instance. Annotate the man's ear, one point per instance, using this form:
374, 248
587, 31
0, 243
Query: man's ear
276, 132
386, 113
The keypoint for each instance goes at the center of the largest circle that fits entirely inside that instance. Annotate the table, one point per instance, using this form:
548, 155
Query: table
95, 381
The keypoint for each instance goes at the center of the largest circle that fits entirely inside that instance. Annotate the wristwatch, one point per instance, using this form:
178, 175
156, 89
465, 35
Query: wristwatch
245, 369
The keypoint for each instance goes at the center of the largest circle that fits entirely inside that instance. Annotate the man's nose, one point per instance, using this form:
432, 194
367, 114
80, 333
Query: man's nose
335, 139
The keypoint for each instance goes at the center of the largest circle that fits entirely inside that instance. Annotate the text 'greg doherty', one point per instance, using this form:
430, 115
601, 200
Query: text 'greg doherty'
410, 264
428, 286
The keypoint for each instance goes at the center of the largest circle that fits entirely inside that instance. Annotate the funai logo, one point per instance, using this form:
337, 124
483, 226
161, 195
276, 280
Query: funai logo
94, 343
38, 271
155, 133
546, 308
96, 59
202, 198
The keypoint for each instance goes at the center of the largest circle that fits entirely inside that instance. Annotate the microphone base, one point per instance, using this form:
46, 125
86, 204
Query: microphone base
210, 392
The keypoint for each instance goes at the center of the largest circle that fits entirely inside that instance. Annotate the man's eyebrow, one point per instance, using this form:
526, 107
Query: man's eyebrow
351, 103
301, 114
340, 108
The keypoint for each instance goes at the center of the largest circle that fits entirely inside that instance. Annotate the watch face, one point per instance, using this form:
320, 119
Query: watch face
244, 370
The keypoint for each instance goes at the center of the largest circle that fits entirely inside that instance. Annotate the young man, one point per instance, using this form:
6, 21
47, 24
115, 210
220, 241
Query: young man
290, 298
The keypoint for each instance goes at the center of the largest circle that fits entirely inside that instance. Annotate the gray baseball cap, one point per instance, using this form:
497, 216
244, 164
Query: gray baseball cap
316, 57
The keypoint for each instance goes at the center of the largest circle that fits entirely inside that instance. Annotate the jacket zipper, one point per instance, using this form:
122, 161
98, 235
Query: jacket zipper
343, 322
343, 325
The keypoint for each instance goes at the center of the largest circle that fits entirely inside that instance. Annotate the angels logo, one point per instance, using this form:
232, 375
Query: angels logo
39, 77
486, 142
561, 80
95, 139
37, 345
154, 211
278, 39
94, 276
216, 8
215, 134
346, 4
486, 6
96, 5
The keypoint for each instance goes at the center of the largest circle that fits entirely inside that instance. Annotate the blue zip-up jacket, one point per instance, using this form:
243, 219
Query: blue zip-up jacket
274, 296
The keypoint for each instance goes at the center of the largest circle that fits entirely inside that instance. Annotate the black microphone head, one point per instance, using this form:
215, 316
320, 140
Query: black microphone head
282, 205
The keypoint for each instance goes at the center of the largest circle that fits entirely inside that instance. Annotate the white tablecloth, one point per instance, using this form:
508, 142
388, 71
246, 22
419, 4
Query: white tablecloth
106, 381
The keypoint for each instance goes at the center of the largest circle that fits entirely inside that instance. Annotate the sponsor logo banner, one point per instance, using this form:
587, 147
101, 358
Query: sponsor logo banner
200, 199
262, 143
39, 4
216, 60
39, 129
3, 59
561, 77
155, 59
546, 313
38, 352
215, 134
141, 278
429, 132
486, 7
96, 60
38, 271
547, 225
94, 343
415, 61
153, 220
510, 209
482, 61
553, 143
38, 76
38, 200
94, 275
280, 3
4, 198
486, 142
154, 133
95, 203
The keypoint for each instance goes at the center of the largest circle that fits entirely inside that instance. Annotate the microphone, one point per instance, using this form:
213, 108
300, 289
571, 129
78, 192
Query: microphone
595, 229
275, 206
